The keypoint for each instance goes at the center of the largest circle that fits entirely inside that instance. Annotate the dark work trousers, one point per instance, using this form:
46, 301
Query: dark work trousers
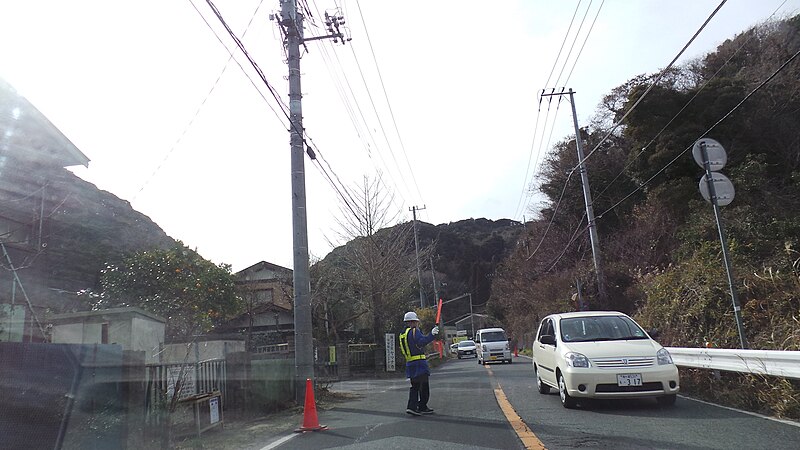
419, 393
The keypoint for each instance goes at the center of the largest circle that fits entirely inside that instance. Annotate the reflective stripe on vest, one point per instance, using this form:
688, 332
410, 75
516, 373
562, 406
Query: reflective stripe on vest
406, 350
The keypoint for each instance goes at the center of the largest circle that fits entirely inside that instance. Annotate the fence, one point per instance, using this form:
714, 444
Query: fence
361, 357
197, 378
764, 362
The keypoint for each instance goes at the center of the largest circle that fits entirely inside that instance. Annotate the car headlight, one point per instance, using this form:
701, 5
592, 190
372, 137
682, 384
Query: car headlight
483, 347
576, 360
507, 346
663, 357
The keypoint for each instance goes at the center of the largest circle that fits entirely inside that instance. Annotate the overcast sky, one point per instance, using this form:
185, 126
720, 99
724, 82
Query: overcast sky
124, 80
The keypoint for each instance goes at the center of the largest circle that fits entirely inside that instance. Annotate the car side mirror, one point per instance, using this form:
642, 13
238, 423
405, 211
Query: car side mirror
653, 333
548, 339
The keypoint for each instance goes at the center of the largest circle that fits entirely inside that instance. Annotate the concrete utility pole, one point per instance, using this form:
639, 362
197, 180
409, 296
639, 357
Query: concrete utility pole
414, 210
291, 23
587, 197
435, 289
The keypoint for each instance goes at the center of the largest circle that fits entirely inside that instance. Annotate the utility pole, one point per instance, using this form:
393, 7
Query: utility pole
291, 23
414, 210
435, 289
587, 197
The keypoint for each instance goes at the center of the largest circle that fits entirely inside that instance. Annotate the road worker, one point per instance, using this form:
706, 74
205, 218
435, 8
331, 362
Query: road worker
412, 345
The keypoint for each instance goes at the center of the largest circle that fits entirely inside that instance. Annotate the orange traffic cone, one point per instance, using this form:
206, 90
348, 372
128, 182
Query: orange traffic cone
310, 421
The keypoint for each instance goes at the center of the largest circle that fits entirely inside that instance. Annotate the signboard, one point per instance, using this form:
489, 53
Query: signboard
188, 384
722, 187
390, 366
213, 409
716, 154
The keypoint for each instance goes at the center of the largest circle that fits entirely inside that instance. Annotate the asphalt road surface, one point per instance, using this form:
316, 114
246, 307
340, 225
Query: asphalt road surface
468, 400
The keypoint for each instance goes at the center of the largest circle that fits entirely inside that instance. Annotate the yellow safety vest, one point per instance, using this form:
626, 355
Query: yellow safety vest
406, 350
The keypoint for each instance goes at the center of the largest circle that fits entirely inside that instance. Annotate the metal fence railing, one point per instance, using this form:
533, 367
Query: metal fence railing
197, 378
762, 362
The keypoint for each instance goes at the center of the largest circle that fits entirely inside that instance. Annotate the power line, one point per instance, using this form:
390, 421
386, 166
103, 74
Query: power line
702, 87
202, 103
275, 95
547, 115
566, 36
537, 165
378, 117
574, 41
388, 103
653, 84
552, 217
343, 95
756, 89
585, 40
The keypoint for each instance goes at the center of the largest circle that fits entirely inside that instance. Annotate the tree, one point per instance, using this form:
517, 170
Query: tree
191, 293
374, 275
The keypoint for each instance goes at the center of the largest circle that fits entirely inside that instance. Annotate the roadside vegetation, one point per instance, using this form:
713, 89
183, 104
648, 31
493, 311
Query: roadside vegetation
661, 256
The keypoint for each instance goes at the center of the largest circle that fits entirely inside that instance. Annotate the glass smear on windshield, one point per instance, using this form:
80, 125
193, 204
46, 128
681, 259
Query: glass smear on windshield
466, 344
600, 328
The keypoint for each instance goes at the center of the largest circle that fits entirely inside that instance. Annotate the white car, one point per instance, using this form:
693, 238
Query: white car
466, 348
492, 345
601, 355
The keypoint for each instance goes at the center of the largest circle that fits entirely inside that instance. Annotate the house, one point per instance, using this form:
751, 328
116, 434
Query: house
268, 294
132, 328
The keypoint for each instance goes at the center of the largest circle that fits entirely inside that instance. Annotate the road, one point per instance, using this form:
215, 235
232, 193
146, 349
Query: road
469, 415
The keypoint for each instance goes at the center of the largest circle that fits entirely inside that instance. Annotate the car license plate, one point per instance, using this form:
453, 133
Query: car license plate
493, 357
629, 379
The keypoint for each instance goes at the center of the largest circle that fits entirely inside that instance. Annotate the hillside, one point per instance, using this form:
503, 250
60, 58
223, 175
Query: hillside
661, 253
369, 282
81, 230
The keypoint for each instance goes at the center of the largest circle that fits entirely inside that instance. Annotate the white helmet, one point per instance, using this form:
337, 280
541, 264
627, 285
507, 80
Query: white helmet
411, 315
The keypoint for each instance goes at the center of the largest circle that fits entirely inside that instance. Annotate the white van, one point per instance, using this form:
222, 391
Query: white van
492, 345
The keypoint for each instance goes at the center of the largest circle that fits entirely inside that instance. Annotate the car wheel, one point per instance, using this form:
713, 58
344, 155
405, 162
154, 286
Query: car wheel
543, 388
566, 401
666, 400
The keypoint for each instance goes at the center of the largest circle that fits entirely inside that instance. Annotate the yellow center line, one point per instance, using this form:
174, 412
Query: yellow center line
528, 438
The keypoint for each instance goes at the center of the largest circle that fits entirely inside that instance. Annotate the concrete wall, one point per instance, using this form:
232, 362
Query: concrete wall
147, 336
271, 382
176, 353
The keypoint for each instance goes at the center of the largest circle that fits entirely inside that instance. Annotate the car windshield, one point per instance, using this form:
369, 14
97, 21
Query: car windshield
210, 209
493, 336
600, 328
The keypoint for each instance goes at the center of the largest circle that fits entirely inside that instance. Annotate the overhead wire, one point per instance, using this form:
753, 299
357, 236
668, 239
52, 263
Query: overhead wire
524, 192
686, 105
658, 78
585, 40
746, 97
361, 134
378, 117
574, 41
388, 103
205, 99
283, 107
652, 85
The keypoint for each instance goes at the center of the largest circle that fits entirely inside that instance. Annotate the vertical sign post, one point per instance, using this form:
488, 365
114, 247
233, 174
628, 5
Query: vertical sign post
390, 366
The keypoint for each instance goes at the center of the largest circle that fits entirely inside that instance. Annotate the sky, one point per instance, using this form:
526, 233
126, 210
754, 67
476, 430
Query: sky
146, 90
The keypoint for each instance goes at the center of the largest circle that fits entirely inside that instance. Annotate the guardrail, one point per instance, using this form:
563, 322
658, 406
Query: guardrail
763, 362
